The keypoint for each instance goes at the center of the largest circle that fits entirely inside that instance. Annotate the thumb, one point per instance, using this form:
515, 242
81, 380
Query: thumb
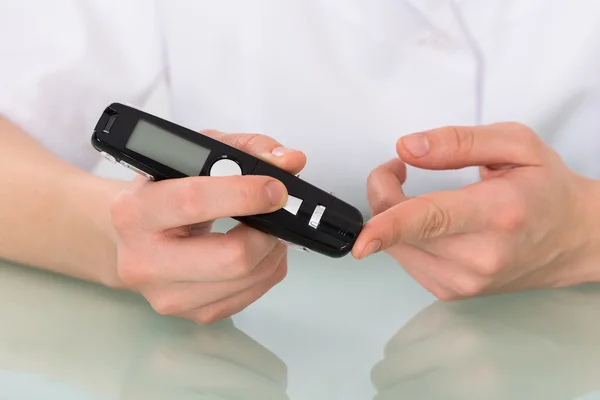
498, 145
263, 147
420, 219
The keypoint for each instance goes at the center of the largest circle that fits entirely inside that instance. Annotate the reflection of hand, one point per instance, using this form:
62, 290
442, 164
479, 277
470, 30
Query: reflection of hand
208, 362
109, 343
538, 345
530, 223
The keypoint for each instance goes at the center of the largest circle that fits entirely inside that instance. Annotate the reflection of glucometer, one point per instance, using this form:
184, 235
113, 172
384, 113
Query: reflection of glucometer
158, 149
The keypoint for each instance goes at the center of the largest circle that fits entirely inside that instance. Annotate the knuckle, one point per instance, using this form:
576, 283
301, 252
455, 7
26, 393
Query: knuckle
373, 176
280, 273
523, 129
250, 191
529, 138
207, 315
376, 173
491, 265
377, 200
435, 221
463, 139
133, 274
446, 296
166, 304
512, 214
519, 126
188, 198
527, 133
248, 141
380, 200
470, 286
237, 259
124, 210
380, 203
398, 231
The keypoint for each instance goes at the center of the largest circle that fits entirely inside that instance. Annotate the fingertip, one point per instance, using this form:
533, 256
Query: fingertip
367, 244
413, 146
357, 249
281, 150
290, 160
397, 167
277, 192
400, 149
297, 161
373, 247
367, 250
403, 154
358, 255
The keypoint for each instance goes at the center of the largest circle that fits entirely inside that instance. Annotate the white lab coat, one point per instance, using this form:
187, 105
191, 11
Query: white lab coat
341, 80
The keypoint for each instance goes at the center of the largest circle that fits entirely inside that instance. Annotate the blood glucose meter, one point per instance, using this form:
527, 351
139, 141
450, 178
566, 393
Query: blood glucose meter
159, 149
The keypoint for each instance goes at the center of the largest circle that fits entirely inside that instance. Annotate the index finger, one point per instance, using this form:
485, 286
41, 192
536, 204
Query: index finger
162, 205
263, 147
456, 147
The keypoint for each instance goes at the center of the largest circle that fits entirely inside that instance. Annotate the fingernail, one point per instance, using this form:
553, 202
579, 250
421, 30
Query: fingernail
417, 144
277, 192
373, 247
279, 151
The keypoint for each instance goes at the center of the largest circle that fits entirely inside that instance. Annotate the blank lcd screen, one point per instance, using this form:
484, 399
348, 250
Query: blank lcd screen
167, 148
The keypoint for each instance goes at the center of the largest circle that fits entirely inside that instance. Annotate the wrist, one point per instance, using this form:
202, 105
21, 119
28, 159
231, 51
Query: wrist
92, 197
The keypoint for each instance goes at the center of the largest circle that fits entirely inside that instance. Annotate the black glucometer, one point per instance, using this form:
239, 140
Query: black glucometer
159, 149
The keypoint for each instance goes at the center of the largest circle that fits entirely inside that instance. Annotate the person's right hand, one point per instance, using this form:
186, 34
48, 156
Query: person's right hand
167, 252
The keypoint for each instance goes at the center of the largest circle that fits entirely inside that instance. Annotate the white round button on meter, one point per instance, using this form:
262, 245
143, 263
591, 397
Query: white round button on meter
225, 167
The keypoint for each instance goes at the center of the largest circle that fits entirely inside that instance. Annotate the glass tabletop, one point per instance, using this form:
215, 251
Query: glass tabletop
334, 329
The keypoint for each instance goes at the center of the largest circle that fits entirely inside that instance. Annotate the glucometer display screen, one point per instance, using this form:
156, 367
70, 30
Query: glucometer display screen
164, 147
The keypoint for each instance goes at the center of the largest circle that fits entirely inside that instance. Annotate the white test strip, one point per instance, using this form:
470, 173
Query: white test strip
315, 219
293, 205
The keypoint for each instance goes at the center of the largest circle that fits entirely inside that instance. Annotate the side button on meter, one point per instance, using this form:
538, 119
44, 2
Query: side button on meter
108, 157
295, 246
139, 171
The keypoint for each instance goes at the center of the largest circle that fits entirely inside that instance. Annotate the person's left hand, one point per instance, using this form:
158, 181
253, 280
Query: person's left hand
530, 223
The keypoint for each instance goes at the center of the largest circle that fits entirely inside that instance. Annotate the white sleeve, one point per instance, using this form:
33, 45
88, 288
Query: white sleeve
63, 61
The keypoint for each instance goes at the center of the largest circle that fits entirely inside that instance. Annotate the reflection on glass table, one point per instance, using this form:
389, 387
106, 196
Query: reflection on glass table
63, 339
213, 362
536, 345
